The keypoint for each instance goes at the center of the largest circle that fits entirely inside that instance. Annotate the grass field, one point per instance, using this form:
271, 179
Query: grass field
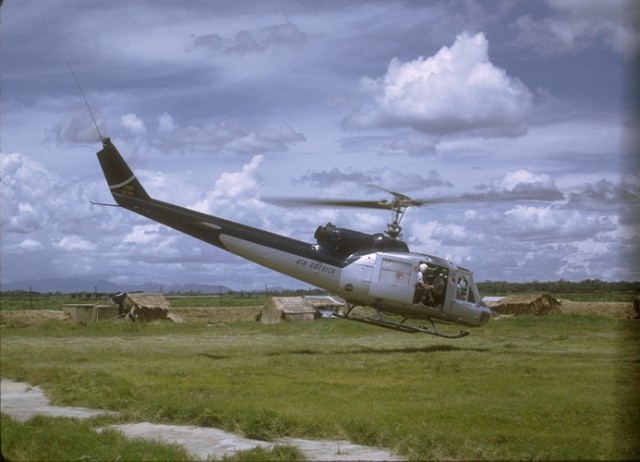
555, 387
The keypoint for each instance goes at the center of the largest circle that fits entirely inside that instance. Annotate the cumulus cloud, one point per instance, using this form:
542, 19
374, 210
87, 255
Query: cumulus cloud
232, 184
74, 243
252, 41
143, 234
456, 90
25, 188
166, 123
26, 221
580, 25
30, 245
455, 242
524, 180
133, 123
237, 189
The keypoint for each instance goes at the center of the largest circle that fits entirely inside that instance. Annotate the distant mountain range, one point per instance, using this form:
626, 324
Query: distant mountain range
74, 285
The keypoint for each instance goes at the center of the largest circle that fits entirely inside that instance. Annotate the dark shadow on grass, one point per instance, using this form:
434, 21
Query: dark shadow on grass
356, 351
376, 351
210, 356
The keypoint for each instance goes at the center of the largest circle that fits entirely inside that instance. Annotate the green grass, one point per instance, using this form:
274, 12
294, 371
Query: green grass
555, 387
56, 438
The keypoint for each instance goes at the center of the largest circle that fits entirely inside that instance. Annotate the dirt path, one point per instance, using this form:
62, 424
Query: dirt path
20, 401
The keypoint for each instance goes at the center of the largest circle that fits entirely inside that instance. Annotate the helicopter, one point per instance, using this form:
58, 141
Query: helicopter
375, 270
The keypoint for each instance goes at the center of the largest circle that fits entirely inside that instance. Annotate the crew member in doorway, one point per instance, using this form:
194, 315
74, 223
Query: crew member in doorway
430, 289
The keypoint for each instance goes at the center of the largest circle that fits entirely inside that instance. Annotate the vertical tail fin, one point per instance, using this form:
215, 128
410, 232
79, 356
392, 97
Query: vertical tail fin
120, 178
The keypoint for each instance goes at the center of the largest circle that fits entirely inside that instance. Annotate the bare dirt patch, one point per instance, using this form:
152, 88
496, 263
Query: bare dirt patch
26, 318
616, 309
208, 315
218, 315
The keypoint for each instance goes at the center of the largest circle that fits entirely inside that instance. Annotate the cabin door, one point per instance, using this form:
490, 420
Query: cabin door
391, 279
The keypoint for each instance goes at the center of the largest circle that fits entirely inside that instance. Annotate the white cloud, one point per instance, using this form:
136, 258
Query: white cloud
165, 123
523, 179
143, 234
133, 123
26, 186
233, 184
26, 220
549, 222
237, 189
30, 244
583, 258
452, 241
456, 90
75, 243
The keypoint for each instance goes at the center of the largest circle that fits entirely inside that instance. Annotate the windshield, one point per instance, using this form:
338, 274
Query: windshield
464, 288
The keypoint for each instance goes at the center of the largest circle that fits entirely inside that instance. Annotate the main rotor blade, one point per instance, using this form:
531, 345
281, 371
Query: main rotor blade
501, 196
301, 202
404, 201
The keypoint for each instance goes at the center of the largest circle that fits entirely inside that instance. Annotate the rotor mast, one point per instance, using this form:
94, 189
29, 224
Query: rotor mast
394, 230
398, 206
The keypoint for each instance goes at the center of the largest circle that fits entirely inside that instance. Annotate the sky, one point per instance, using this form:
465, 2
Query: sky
217, 105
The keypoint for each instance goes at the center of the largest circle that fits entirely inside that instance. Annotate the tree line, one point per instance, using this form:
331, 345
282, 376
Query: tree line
587, 286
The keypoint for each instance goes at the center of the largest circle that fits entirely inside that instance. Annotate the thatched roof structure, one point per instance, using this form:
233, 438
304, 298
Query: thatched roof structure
149, 300
295, 309
144, 307
536, 304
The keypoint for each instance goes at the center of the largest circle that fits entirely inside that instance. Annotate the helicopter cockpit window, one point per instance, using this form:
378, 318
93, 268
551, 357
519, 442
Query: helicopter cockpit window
463, 289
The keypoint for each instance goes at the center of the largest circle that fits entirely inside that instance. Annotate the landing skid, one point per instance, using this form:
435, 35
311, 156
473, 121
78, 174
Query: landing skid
379, 322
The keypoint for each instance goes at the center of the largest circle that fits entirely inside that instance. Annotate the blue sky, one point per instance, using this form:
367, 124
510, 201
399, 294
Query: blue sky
219, 104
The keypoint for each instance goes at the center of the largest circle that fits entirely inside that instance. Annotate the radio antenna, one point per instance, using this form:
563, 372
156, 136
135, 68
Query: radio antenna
86, 101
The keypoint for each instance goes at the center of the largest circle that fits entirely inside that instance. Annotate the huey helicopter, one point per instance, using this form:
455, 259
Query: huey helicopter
376, 270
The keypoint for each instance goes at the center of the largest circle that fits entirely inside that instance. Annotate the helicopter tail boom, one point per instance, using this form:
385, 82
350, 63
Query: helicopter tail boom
298, 259
120, 178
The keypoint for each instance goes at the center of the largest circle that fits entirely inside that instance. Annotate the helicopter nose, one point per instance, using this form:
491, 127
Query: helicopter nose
485, 315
